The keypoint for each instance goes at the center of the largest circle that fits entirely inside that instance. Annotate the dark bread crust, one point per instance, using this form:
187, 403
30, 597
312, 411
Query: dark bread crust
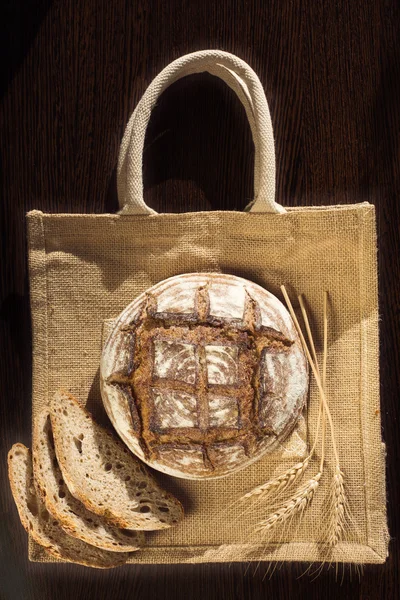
195, 382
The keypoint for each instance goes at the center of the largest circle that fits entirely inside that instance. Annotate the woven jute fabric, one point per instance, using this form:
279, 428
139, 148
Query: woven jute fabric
84, 269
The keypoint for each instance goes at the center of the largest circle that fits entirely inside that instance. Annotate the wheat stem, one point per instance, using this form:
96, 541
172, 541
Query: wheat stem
308, 329
321, 413
314, 370
325, 350
324, 363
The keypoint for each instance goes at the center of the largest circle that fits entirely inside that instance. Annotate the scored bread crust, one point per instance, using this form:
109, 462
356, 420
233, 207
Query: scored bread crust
74, 518
43, 528
203, 374
102, 474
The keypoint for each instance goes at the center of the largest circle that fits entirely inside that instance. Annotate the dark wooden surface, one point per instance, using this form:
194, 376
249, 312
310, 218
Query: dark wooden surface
73, 73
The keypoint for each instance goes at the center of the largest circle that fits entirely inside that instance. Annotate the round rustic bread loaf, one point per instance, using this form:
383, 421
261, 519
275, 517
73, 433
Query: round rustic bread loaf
202, 374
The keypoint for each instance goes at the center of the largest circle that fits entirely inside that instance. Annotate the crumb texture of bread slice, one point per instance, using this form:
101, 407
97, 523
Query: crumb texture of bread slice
103, 474
71, 514
43, 528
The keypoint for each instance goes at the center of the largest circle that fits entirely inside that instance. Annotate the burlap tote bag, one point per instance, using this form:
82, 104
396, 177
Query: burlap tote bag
84, 269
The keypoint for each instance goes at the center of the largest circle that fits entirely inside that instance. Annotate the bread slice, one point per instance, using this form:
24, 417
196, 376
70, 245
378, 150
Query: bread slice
71, 514
101, 472
43, 528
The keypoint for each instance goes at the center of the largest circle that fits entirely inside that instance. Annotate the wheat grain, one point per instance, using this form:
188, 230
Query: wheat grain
296, 505
280, 483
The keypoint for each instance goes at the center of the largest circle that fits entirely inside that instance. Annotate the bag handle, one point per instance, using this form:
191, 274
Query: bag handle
245, 83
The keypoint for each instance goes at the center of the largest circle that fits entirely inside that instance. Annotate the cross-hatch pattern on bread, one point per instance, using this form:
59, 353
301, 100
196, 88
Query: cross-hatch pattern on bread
194, 381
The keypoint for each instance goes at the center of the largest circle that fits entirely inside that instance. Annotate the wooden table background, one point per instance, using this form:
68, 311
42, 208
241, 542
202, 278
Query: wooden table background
74, 71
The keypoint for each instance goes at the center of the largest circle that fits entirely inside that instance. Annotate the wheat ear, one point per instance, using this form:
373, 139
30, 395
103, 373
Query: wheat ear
296, 505
280, 483
338, 509
277, 485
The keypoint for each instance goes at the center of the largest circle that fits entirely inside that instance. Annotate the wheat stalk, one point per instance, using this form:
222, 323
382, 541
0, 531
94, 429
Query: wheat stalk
321, 412
297, 504
314, 368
